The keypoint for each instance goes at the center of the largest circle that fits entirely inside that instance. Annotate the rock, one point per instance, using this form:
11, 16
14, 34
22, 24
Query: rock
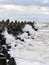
12, 61
22, 40
4, 46
5, 51
3, 41
1, 49
28, 33
18, 38
15, 45
8, 47
1, 36
9, 31
8, 56
35, 29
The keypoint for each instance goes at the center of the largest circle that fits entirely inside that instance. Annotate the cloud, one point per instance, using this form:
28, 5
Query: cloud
23, 9
45, 1
26, 2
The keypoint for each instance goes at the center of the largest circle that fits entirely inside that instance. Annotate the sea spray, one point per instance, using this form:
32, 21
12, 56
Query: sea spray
9, 37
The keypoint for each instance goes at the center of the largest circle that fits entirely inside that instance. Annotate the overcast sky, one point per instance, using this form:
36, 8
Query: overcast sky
37, 10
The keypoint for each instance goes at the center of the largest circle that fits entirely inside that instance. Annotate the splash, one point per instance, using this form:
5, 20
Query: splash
9, 37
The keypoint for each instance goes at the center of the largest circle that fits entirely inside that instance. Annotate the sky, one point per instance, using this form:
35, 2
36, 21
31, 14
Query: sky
29, 10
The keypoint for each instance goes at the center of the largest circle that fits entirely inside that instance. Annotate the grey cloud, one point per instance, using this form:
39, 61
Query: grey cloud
24, 2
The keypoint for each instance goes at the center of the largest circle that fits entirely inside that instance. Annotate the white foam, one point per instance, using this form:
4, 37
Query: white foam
31, 51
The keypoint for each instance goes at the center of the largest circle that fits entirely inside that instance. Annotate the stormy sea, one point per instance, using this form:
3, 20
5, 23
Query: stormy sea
30, 47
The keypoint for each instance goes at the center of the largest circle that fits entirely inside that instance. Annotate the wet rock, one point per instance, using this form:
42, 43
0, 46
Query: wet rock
22, 40
12, 61
3, 41
1, 49
28, 33
8, 56
8, 47
9, 31
18, 38
15, 45
1, 36
35, 29
5, 51
4, 46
